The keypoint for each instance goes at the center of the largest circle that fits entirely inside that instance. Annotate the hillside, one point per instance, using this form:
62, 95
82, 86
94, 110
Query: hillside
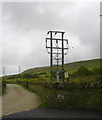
69, 66
74, 92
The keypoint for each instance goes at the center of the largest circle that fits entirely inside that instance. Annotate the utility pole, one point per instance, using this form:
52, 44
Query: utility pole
62, 57
3, 71
57, 47
51, 53
100, 46
19, 69
3, 74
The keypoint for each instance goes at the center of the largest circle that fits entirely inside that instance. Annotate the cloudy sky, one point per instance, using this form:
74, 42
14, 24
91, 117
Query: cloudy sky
25, 26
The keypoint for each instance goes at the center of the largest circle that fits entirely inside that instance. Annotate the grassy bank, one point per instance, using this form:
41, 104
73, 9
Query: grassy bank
74, 95
70, 67
65, 98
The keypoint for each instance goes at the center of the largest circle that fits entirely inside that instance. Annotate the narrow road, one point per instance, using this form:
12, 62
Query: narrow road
17, 99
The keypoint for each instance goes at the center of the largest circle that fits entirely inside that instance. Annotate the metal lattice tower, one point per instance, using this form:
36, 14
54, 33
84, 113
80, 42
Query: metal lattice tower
57, 47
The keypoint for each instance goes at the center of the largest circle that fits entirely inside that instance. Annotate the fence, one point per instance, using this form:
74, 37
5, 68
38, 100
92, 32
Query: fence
58, 85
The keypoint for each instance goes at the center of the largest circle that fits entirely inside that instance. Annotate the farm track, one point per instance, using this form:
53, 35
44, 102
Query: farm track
17, 99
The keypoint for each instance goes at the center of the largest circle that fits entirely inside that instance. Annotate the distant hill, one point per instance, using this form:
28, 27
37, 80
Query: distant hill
69, 66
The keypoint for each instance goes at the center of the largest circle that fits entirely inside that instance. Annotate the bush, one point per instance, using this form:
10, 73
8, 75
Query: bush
97, 71
11, 77
42, 73
29, 75
82, 71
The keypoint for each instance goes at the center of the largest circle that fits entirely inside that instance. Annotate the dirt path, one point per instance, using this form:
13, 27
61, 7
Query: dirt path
18, 99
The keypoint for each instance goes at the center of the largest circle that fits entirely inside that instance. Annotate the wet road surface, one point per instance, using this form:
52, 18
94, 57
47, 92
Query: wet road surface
56, 113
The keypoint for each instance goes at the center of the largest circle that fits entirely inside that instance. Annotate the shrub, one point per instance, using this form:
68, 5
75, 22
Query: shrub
11, 77
42, 73
82, 71
97, 70
29, 75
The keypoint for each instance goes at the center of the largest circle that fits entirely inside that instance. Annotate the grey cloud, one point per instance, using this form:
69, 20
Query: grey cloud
26, 24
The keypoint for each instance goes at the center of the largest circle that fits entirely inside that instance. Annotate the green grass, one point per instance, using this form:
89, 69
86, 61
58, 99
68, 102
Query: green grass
69, 66
74, 98
88, 78
66, 98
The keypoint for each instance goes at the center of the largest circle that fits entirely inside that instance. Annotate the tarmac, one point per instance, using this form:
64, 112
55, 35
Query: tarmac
57, 113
